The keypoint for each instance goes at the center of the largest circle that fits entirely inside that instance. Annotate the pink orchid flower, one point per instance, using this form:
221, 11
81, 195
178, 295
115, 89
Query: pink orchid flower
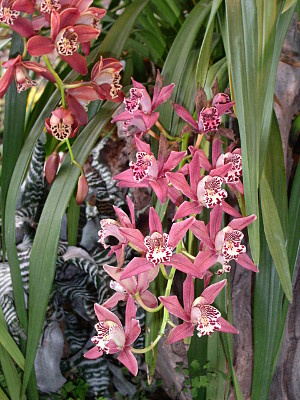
197, 312
125, 288
204, 191
222, 245
110, 227
139, 115
208, 118
111, 338
149, 172
17, 69
65, 39
61, 124
232, 178
156, 248
105, 78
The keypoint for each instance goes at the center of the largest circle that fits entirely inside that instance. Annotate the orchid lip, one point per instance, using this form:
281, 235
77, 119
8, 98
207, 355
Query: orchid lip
145, 166
7, 15
228, 245
47, 6
158, 250
210, 192
108, 331
66, 42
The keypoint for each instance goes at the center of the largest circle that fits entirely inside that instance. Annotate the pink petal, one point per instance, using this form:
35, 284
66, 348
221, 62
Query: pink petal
131, 210
77, 62
55, 24
222, 108
216, 150
163, 96
128, 284
185, 115
175, 196
178, 231
154, 222
135, 237
136, 266
130, 314
221, 171
76, 109
241, 223
180, 332
215, 221
124, 116
39, 69
230, 210
6, 80
204, 260
128, 359
173, 160
103, 314
39, 45
160, 187
183, 264
172, 304
150, 119
86, 48
178, 180
133, 332
149, 299
86, 33
195, 167
188, 208
68, 17
226, 326
203, 159
142, 146
239, 186
137, 85
123, 217
24, 5
114, 300
93, 353
212, 291
244, 261
201, 232
83, 5
188, 293
24, 27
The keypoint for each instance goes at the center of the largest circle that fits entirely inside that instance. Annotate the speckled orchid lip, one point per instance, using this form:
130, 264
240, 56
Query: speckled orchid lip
158, 250
108, 331
210, 192
145, 166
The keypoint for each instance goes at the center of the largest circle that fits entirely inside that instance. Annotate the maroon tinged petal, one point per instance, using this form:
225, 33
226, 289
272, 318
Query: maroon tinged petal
194, 169
183, 264
212, 291
6, 80
226, 326
105, 315
215, 221
23, 27
160, 187
178, 231
135, 237
244, 261
188, 293
204, 260
185, 115
178, 180
180, 332
163, 96
188, 208
172, 304
85, 33
40, 45
201, 232
173, 160
77, 62
149, 299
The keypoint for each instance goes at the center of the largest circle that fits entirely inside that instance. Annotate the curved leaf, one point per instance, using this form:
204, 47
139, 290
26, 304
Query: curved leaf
10, 346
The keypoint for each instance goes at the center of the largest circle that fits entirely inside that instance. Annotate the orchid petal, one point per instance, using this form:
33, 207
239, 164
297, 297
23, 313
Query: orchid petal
133, 332
154, 222
216, 150
103, 314
137, 85
39, 69
114, 300
212, 291
215, 221
245, 261
188, 293
222, 108
25, 6
180, 332
131, 210
68, 17
6, 80
149, 299
55, 24
128, 284
85, 33
183, 264
172, 304
230, 210
130, 314
195, 166
39, 45
188, 208
24, 27
201, 232
77, 109
135, 237
142, 146
221, 171
178, 180
123, 217
203, 159
226, 326
128, 359
93, 353
160, 187
173, 160
178, 231
185, 115
163, 96
77, 62
204, 260
136, 266
241, 223
175, 196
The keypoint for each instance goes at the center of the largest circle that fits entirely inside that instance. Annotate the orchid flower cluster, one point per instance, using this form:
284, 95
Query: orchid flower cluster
193, 181
60, 30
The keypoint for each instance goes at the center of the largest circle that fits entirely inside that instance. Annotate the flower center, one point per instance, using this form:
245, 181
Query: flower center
132, 104
232, 246
115, 86
236, 171
117, 287
61, 131
22, 79
109, 227
7, 15
158, 250
47, 6
107, 331
145, 166
210, 119
208, 320
66, 42
210, 192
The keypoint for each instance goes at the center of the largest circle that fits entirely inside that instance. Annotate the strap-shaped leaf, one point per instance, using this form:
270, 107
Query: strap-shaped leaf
10, 345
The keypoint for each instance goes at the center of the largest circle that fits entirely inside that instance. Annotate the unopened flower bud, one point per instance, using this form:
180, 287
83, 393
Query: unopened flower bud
82, 190
51, 167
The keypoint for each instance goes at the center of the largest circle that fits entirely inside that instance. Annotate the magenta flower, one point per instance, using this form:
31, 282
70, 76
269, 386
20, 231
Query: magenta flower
205, 191
222, 245
17, 70
110, 227
65, 38
197, 312
111, 338
157, 248
61, 124
149, 172
125, 288
139, 115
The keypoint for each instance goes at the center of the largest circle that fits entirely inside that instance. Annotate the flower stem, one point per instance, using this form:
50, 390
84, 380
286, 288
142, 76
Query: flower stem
143, 305
188, 255
166, 134
198, 141
163, 271
151, 133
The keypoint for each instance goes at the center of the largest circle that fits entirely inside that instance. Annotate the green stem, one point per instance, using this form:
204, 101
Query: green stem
143, 305
185, 253
75, 85
163, 271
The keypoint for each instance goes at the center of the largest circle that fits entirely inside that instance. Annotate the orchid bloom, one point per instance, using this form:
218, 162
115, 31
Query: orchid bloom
222, 245
139, 115
125, 288
205, 191
77, 100
157, 248
111, 338
197, 312
110, 227
149, 172
10, 13
65, 38
61, 124
208, 117
17, 69
105, 78
232, 178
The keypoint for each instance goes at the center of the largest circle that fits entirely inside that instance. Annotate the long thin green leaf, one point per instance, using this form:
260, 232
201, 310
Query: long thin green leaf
275, 237
288, 4
204, 55
10, 346
3, 395
294, 222
73, 220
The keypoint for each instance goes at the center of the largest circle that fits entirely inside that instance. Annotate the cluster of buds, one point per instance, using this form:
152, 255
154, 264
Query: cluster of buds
197, 184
